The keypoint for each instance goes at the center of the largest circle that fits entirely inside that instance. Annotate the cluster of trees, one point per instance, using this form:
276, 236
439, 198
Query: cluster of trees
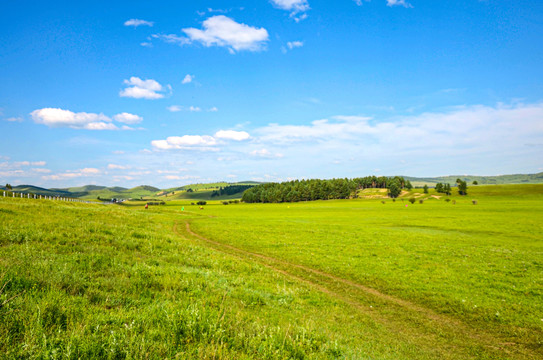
230, 190
316, 189
443, 188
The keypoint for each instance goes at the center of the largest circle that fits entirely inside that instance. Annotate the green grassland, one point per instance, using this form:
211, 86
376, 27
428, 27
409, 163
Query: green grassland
367, 278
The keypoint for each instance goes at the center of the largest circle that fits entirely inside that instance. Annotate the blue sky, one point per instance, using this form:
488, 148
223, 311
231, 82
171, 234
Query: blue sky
167, 93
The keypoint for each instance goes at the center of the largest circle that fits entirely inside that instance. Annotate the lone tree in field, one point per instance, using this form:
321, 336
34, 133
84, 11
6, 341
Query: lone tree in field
462, 187
425, 188
8, 187
475, 182
394, 189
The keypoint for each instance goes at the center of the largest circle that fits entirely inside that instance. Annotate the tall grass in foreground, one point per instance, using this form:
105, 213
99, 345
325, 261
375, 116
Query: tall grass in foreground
456, 281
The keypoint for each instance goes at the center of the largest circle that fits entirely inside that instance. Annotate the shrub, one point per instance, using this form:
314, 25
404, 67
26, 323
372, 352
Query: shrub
382, 201
447, 199
225, 203
412, 200
421, 201
474, 202
201, 202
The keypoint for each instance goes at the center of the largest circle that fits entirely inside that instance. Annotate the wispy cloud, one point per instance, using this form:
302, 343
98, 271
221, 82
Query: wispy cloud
187, 79
174, 108
295, 44
399, 3
71, 174
297, 8
142, 89
138, 22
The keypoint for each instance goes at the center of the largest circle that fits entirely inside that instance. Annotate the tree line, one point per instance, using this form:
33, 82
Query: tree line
316, 189
230, 190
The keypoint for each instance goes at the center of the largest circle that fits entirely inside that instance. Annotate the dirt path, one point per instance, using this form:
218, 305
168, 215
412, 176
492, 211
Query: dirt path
446, 323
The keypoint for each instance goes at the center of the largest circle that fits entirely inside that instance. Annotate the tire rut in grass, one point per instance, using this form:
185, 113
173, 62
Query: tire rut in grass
328, 284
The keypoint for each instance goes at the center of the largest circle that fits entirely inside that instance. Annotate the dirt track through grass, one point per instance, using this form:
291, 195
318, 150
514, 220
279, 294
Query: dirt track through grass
419, 323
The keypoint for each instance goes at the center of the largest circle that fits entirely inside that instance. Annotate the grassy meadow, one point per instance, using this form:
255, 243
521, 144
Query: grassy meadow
365, 278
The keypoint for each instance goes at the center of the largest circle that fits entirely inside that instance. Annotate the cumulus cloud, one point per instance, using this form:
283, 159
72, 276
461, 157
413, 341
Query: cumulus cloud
399, 3
232, 135
56, 118
15, 119
194, 109
187, 79
142, 89
213, 109
127, 118
198, 142
138, 22
222, 31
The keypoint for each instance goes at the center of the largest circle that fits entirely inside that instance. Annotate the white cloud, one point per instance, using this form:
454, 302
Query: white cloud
185, 142
29, 163
54, 117
138, 22
127, 118
187, 79
86, 172
194, 109
117, 167
232, 135
172, 39
265, 153
399, 3
292, 5
294, 44
174, 108
15, 119
223, 31
147, 44
213, 109
487, 137
142, 89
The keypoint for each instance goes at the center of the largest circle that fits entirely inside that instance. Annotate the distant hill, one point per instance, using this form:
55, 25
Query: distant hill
481, 180
205, 191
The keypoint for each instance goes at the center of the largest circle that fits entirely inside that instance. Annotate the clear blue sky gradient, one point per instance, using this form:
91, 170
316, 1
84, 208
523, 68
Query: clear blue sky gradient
426, 88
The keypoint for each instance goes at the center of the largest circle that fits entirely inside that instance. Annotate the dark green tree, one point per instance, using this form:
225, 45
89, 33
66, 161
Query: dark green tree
425, 188
394, 189
463, 188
